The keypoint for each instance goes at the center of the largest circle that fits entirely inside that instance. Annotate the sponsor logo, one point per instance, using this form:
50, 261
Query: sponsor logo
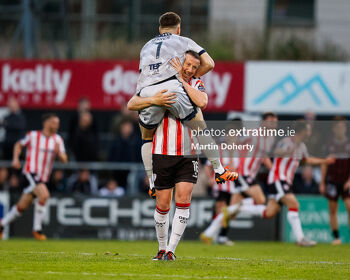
117, 80
154, 66
160, 224
183, 220
289, 89
43, 78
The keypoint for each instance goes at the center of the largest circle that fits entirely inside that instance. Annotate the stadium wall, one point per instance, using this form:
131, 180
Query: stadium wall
130, 218
255, 87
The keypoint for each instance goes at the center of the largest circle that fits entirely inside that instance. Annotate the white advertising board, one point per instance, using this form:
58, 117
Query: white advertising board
297, 87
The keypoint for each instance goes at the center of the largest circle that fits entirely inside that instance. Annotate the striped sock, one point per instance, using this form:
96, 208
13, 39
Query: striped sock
161, 218
181, 216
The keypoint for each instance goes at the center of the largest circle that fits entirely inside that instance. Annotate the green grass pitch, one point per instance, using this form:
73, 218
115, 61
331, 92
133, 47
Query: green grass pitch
87, 259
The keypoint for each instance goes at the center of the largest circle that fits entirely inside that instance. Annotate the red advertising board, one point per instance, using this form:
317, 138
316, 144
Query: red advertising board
107, 84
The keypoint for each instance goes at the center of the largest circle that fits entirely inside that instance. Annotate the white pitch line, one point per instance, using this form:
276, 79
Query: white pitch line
172, 276
193, 258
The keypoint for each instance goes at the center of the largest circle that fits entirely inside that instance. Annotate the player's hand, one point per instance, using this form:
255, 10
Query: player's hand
176, 63
16, 163
347, 185
57, 149
161, 98
322, 188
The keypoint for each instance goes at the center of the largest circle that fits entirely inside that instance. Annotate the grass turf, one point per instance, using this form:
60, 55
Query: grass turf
85, 259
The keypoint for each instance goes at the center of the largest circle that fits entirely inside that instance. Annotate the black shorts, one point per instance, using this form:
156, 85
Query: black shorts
335, 190
169, 170
278, 189
243, 183
28, 182
224, 196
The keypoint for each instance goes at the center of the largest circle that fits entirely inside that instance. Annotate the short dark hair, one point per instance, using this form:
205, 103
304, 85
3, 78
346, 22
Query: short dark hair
194, 54
169, 19
268, 115
47, 116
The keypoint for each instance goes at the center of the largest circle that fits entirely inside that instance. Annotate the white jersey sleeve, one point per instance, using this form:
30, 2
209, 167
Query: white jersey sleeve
192, 45
25, 141
155, 56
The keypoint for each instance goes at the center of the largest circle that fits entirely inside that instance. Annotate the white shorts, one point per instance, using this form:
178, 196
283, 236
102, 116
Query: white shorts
183, 108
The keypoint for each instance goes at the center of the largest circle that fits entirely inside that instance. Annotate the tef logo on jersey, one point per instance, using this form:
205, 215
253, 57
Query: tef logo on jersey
42, 78
290, 89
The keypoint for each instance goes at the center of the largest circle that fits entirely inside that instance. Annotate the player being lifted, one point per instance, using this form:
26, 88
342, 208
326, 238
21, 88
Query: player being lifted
173, 160
42, 148
156, 74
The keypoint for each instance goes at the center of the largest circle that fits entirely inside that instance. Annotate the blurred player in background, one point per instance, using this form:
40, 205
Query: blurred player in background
335, 178
246, 186
157, 73
290, 151
42, 148
174, 163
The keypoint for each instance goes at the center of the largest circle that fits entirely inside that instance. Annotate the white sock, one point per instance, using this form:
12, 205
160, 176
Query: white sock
11, 216
146, 153
233, 208
255, 210
181, 216
212, 155
220, 169
214, 228
39, 214
161, 218
294, 221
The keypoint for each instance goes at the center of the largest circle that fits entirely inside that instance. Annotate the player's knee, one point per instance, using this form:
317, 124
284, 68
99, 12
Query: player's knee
294, 204
268, 214
21, 207
183, 198
43, 197
260, 200
333, 212
164, 205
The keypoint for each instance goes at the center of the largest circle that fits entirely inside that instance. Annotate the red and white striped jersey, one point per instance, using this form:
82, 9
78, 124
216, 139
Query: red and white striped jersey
283, 169
40, 153
172, 137
249, 165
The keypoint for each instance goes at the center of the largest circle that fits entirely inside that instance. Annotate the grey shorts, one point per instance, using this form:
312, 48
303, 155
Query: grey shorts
183, 108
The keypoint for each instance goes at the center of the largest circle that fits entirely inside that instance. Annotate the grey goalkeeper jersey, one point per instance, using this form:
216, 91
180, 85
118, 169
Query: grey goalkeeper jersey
156, 54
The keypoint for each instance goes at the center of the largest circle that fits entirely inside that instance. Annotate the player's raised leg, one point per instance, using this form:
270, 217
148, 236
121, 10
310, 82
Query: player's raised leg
16, 211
